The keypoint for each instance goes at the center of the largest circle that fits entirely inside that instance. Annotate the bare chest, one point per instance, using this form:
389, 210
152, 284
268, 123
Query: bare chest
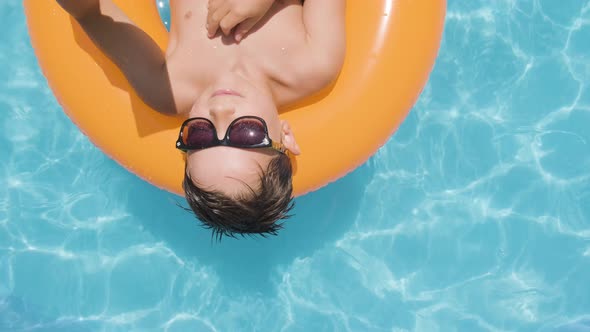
275, 45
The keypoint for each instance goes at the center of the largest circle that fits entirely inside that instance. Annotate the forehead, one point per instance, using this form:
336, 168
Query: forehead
227, 169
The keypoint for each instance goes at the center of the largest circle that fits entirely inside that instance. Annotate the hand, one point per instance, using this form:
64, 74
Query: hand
239, 14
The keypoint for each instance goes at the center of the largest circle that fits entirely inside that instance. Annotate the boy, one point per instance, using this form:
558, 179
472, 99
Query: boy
229, 65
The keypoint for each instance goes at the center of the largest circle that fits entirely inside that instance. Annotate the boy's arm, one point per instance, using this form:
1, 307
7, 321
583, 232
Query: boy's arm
324, 24
137, 55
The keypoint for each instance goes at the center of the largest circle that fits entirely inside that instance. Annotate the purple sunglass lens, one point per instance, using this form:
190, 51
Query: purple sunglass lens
247, 132
199, 134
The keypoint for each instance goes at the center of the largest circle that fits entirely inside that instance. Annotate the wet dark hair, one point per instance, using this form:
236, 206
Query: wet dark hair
256, 211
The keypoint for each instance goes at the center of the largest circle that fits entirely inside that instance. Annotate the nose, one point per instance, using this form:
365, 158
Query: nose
222, 110
221, 115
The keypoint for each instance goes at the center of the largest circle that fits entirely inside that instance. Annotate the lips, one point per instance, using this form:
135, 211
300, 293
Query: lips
225, 92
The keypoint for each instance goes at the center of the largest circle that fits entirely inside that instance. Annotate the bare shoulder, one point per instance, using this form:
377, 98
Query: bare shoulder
315, 67
181, 83
320, 64
319, 59
326, 35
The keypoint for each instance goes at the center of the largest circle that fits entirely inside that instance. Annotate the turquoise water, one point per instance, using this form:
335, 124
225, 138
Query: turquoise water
475, 216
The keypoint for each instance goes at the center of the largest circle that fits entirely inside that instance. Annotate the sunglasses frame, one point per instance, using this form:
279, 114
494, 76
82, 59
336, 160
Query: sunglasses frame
266, 143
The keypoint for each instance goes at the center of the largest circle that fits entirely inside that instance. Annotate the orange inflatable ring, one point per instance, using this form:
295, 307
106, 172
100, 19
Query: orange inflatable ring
391, 48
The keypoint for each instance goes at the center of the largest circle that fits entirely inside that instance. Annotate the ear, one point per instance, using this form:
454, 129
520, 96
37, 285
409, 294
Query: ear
288, 139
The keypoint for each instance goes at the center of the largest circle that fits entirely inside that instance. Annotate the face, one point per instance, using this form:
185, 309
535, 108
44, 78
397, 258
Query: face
228, 169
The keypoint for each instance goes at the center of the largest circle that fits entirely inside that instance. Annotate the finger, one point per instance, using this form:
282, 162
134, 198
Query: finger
214, 4
229, 22
214, 18
243, 28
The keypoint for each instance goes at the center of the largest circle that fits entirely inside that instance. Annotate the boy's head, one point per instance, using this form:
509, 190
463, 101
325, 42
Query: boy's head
238, 175
250, 210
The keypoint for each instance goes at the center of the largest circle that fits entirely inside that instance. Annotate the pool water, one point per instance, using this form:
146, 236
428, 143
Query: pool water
475, 216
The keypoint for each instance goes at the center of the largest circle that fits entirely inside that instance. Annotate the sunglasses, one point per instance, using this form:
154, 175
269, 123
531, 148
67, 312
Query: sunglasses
246, 132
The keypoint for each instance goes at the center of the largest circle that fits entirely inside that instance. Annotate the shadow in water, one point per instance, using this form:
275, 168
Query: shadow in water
246, 264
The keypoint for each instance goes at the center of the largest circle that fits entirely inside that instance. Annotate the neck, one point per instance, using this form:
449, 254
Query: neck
241, 75
244, 79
